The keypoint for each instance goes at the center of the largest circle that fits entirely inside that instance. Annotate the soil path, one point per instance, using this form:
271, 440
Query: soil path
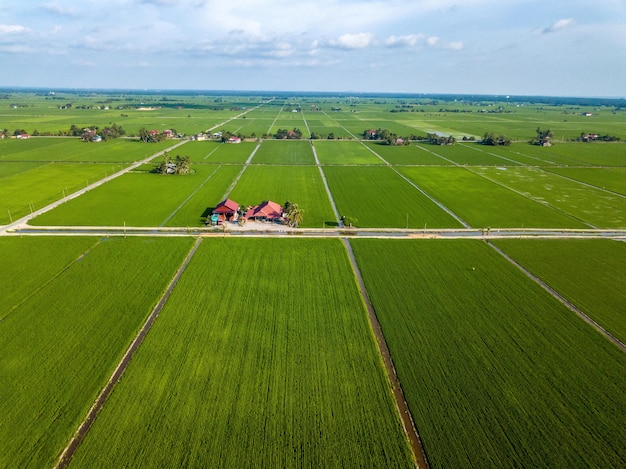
330, 195
410, 430
86, 424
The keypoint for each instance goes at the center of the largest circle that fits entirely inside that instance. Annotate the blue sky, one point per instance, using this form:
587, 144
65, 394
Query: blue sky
543, 47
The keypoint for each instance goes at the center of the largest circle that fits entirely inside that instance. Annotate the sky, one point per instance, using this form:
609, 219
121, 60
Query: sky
501, 47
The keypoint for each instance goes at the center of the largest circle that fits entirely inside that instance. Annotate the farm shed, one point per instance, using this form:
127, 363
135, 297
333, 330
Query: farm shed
267, 210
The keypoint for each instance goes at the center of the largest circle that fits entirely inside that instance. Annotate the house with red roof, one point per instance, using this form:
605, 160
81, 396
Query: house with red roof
226, 210
265, 211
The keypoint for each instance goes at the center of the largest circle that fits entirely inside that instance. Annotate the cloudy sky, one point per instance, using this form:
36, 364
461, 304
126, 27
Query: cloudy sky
542, 47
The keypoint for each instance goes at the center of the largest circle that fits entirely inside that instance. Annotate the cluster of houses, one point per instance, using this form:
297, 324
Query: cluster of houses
229, 210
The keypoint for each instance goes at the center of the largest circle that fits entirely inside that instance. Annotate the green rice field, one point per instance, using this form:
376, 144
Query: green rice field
484, 203
589, 273
378, 197
266, 374
496, 372
60, 342
284, 152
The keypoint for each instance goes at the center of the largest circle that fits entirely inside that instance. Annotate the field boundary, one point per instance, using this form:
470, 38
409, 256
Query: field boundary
83, 428
410, 430
328, 192
561, 299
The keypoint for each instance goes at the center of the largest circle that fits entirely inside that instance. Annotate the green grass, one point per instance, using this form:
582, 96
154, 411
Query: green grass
263, 356
483, 203
146, 199
380, 198
284, 152
496, 372
348, 153
589, 273
298, 184
60, 345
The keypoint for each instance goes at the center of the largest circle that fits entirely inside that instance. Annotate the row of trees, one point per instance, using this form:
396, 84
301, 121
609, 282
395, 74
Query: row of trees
588, 137
436, 139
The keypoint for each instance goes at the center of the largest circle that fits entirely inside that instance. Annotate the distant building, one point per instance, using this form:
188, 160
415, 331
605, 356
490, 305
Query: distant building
234, 139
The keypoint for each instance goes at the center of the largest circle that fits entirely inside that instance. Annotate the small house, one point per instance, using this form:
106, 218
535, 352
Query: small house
234, 139
265, 211
226, 210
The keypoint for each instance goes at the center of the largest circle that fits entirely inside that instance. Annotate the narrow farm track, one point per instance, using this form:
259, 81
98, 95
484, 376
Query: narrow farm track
561, 299
83, 428
330, 195
415, 442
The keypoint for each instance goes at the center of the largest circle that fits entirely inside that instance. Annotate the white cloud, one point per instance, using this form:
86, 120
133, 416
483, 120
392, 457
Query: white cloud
432, 40
559, 25
12, 28
353, 41
410, 40
455, 45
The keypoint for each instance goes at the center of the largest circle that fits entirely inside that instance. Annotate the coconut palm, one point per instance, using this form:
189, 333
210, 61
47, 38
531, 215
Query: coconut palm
294, 214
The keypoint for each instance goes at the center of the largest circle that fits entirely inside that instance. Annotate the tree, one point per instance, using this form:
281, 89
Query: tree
144, 135
293, 214
543, 137
183, 164
164, 164
349, 221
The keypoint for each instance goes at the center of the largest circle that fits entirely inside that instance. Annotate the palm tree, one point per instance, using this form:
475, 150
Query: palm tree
294, 215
